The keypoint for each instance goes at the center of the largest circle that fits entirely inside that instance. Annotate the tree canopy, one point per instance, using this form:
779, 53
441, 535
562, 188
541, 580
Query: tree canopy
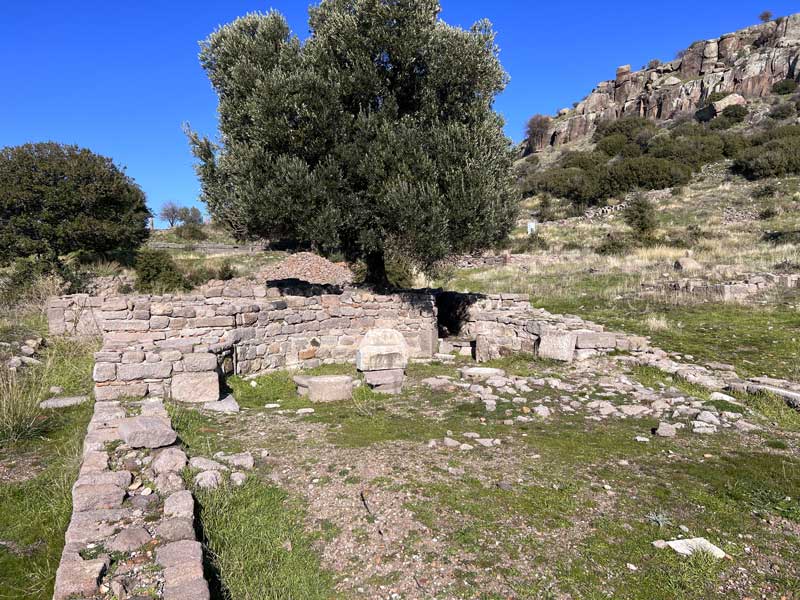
376, 135
57, 199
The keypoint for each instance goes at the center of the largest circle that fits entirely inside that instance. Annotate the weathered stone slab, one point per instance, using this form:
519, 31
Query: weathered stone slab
227, 405
329, 388
96, 497
78, 578
196, 388
382, 349
199, 362
179, 553
65, 402
180, 504
147, 432
558, 345
481, 373
169, 460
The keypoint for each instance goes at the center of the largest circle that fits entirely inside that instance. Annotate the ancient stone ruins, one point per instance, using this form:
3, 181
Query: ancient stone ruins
130, 492
746, 63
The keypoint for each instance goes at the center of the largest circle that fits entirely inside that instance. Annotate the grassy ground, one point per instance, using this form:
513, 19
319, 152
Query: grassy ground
565, 508
36, 477
759, 336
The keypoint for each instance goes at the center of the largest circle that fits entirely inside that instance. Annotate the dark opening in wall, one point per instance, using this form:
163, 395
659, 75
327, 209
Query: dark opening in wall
453, 312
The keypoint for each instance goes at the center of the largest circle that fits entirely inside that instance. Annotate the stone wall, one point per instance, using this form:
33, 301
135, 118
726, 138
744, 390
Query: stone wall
727, 291
177, 345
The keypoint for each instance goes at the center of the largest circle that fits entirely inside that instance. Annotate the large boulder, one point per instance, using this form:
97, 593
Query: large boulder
382, 349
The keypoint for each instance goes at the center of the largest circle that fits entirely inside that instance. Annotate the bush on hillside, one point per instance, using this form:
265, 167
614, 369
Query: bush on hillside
694, 151
57, 199
785, 87
191, 232
157, 272
644, 172
736, 113
612, 144
771, 155
640, 216
633, 128
579, 186
782, 111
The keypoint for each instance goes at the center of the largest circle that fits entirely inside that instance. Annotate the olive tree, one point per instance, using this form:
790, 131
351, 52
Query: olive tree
375, 135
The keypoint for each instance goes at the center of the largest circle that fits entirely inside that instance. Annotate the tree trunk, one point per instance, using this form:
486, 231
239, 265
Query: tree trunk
376, 270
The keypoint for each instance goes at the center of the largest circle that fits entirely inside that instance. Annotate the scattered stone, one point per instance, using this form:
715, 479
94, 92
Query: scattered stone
227, 405
244, 460
238, 478
688, 547
666, 430
480, 373
305, 411
169, 460
272, 406
129, 539
63, 402
542, 412
206, 464
168, 483
330, 388
451, 443
208, 480
709, 418
642, 439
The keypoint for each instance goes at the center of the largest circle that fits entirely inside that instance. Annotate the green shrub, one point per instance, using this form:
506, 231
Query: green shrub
777, 157
785, 87
529, 243
633, 128
721, 123
694, 151
770, 212
577, 185
767, 190
736, 113
20, 415
644, 172
613, 144
733, 144
782, 111
26, 276
191, 232
157, 272
640, 215
226, 271
614, 245
588, 161
57, 199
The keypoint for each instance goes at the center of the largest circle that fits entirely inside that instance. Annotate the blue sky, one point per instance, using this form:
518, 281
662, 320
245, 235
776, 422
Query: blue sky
121, 77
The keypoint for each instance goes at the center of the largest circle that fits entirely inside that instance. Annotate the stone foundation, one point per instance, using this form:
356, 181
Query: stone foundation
178, 346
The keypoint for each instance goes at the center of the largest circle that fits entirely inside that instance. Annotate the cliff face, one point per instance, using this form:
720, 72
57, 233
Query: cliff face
747, 62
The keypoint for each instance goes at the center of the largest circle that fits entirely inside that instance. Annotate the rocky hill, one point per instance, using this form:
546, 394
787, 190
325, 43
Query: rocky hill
748, 62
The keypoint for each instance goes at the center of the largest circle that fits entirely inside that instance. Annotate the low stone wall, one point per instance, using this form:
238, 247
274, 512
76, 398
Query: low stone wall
728, 291
177, 345
149, 531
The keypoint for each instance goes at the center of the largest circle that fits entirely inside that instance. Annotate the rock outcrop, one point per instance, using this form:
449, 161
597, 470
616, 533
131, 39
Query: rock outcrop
748, 62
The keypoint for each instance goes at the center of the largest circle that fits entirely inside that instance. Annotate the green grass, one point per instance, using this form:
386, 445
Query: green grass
35, 512
258, 544
757, 339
